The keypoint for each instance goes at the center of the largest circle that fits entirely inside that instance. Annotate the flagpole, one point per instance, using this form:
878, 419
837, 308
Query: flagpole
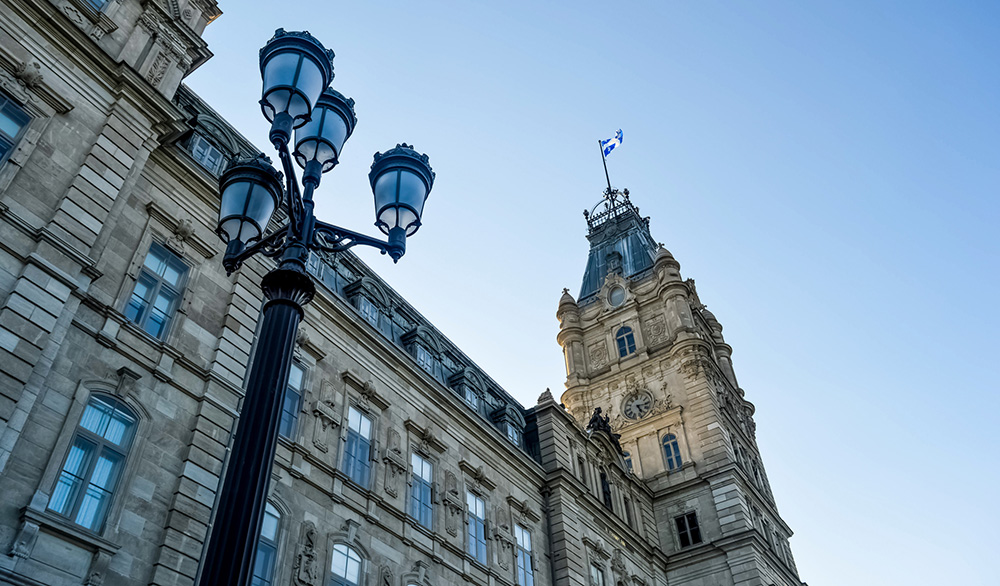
604, 159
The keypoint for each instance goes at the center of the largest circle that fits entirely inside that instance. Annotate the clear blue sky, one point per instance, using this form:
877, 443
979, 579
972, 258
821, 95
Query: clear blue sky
827, 172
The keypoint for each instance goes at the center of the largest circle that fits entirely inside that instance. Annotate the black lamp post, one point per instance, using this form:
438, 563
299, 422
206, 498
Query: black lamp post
296, 70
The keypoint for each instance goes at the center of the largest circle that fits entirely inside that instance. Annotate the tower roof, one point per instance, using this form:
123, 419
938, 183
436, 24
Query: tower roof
620, 242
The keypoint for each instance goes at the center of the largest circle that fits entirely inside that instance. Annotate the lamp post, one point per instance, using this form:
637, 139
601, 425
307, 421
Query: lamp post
296, 70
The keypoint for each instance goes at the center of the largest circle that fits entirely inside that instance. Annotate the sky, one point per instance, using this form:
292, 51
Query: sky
826, 171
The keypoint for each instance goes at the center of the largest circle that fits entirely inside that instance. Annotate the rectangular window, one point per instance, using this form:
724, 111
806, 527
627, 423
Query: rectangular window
424, 359
477, 527
292, 403
525, 575
596, 575
357, 454
687, 529
157, 292
420, 494
13, 121
514, 435
314, 266
206, 155
628, 511
472, 398
368, 310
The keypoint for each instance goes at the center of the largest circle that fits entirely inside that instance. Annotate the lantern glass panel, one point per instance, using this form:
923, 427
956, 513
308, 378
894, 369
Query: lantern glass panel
291, 71
412, 191
260, 207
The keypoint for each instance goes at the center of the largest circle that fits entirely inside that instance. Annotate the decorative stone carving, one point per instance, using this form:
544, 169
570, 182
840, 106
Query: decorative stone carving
29, 73
307, 564
325, 411
599, 423
98, 569
73, 14
546, 397
25, 540
425, 438
477, 476
696, 360
657, 329
522, 512
502, 532
453, 503
126, 380
385, 576
395, 464
598, 353
618, 565
158, 69
368, 396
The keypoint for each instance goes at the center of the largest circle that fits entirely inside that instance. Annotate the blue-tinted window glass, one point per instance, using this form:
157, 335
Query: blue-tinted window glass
157, 291
357, 453
421, 508
291, 404
626, 341
671, 451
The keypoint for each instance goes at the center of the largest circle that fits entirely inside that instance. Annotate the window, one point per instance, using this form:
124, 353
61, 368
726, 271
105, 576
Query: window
267, 548
514, 435
628, 461
314, 266
626, 341
345, 566
687, 529
13, 120
477, 527
671, 451
628, 511
357, 454
291, 404
606, 491
420, 494
97, 5
471, 398
424, 359
582, 466
596, 575
368, 310
525, 576
207, 155
94, 463
157, 292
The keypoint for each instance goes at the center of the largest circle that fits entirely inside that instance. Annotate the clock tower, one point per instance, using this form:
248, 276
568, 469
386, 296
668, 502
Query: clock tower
640, 345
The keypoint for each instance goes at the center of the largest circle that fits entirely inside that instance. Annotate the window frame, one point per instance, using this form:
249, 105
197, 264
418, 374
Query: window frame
293, 414
625, 341
338, 580
416, 505
475, 534
100, 444
198, 139
369, 311
674, 462
691, 530
141, 319
7, 101
271, 542
361, 458
523, 559
596, 574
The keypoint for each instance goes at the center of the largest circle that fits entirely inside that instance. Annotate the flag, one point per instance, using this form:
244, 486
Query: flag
610, 144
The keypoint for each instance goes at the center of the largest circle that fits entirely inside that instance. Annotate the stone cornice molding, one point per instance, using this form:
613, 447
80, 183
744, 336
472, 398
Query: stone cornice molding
366, 391
477, 474
25, 82
427, 439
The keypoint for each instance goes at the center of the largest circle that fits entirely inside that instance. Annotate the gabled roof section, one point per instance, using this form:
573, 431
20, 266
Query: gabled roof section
620, 242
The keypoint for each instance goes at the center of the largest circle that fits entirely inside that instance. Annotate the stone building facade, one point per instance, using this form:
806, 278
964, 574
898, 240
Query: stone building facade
123, 346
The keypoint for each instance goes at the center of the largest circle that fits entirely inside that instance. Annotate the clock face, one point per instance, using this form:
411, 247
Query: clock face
637, 406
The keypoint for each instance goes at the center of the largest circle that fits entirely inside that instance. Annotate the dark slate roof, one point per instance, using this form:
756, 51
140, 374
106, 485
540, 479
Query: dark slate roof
619, 242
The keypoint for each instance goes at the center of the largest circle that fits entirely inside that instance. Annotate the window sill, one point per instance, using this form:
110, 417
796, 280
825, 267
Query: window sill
64, 528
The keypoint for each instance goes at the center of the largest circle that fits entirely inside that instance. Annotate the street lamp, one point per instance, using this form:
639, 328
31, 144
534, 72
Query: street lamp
296, 70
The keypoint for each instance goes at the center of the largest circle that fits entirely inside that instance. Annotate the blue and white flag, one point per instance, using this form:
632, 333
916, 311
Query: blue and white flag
610, 144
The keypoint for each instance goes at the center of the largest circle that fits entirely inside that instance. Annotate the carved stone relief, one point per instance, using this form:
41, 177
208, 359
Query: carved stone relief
502, 532
307, 563
385, 577
598, 353
657, 329
453, 503
325, 411
395, 464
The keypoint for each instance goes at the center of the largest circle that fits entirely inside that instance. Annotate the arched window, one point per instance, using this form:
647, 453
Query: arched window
267, 548
671, 451
94, 463
345, 566
626, 341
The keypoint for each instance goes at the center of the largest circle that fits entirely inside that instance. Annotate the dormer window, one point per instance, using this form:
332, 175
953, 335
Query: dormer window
368, 310
424, 359
207, 155
472, 398
514, 435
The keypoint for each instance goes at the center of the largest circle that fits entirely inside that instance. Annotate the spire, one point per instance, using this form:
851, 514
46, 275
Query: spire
620, 242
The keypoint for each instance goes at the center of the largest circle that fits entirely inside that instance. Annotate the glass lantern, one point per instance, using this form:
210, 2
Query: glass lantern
401, 180
295, 68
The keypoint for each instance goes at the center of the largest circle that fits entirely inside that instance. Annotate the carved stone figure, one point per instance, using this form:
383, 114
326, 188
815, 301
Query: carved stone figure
307, 569
395, 465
